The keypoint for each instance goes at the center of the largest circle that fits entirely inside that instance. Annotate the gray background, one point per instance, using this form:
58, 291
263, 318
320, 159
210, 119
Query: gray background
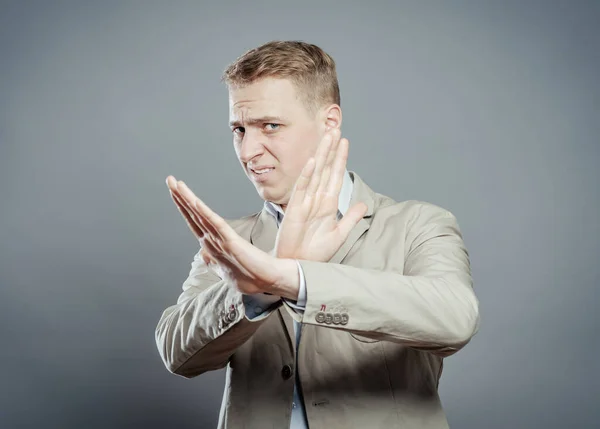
489, 109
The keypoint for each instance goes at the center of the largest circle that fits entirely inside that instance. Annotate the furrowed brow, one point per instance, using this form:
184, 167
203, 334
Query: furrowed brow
254, 121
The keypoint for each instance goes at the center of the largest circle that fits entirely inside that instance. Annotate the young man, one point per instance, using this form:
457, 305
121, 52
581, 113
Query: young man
334, 306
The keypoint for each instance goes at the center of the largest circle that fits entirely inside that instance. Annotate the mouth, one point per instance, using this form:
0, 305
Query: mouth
261, 174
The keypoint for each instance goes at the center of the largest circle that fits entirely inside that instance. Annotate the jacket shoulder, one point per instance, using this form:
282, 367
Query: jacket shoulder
409, 210
244, 225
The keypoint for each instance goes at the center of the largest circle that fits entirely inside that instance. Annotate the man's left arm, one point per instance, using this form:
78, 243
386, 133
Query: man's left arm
431, 306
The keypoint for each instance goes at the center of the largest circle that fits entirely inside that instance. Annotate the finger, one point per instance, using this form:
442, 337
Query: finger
301, 184
223, 259
331, 156
320, 158
339, 168
350, 219
206, 258
215, 223
217, 262
192, 215
190, 200
211, 252
176, 195
171, 183
188, 219
203, 227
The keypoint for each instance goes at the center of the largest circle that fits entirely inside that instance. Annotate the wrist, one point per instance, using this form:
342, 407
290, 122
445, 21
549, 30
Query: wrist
288, 284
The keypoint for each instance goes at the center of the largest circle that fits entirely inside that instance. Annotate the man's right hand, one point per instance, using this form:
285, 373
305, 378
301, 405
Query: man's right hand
244, 266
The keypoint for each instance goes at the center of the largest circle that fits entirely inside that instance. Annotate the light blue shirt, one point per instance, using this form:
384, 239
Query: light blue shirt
256, 304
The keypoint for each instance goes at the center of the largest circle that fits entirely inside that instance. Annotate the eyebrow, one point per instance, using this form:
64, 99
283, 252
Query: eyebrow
254, 121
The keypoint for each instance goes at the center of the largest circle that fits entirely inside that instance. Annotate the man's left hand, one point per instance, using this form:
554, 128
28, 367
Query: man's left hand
310, 229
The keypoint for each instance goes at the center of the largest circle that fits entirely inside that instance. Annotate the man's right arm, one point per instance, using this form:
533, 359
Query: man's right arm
206, 326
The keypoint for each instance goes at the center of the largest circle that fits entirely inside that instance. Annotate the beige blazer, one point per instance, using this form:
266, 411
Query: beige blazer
380, 317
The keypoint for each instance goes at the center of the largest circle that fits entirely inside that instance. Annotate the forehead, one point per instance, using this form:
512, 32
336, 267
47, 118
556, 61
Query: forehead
266, 97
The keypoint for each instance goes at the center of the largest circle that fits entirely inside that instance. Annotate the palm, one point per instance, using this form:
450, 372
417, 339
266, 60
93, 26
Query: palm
309, 237
310, 229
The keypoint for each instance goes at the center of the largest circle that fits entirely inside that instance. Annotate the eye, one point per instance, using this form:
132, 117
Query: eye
272, 127
238, 130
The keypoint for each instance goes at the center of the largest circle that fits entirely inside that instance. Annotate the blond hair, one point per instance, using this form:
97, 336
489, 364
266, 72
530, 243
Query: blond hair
307, 66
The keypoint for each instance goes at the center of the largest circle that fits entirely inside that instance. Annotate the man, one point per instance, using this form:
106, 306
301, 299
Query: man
334, 306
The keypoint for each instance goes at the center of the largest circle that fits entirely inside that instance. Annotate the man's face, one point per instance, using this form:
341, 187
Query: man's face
273, 129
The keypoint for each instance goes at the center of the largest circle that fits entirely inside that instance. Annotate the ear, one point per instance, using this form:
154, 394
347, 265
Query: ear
333, 117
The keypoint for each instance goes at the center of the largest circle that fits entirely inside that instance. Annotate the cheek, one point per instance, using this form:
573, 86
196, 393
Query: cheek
307, 149
296, 159
293, 151
236, 145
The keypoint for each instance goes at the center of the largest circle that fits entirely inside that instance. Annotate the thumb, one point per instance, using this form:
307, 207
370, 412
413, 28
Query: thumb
351, 218
206, 257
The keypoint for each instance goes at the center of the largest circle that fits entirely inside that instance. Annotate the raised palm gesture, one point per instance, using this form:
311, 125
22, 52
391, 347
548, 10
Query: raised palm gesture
244, 266
310, 229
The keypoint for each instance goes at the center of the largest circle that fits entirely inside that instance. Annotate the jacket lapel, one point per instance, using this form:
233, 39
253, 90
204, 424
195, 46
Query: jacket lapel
360, 193
264, 233
263, 236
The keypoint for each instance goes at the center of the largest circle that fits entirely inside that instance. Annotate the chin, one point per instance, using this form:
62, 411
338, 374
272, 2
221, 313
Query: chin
274, 197
265, 194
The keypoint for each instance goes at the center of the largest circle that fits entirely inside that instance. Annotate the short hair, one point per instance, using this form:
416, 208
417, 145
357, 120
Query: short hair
307, 66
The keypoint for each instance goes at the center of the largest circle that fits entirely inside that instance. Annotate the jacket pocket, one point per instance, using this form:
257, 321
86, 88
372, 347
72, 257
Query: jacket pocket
363, 339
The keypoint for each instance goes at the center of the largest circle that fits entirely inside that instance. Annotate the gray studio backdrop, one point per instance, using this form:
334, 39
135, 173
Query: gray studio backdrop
489, 109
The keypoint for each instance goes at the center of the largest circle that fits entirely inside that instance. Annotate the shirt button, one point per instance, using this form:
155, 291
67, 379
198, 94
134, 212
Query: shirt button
286, 372
258, 310
293, 405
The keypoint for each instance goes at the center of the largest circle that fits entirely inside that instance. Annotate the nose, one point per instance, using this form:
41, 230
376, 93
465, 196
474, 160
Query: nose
250, 147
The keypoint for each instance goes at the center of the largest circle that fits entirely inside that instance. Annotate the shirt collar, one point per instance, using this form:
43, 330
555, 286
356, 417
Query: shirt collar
276, 211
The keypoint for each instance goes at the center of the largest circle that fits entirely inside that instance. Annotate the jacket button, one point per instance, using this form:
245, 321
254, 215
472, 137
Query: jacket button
337, 318
286, 372
232, 315
328, 318
344, 318
320, 317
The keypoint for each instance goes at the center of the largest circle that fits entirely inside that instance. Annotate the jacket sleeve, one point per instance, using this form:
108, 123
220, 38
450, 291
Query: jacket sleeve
206, 325
301, 302
427, 303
